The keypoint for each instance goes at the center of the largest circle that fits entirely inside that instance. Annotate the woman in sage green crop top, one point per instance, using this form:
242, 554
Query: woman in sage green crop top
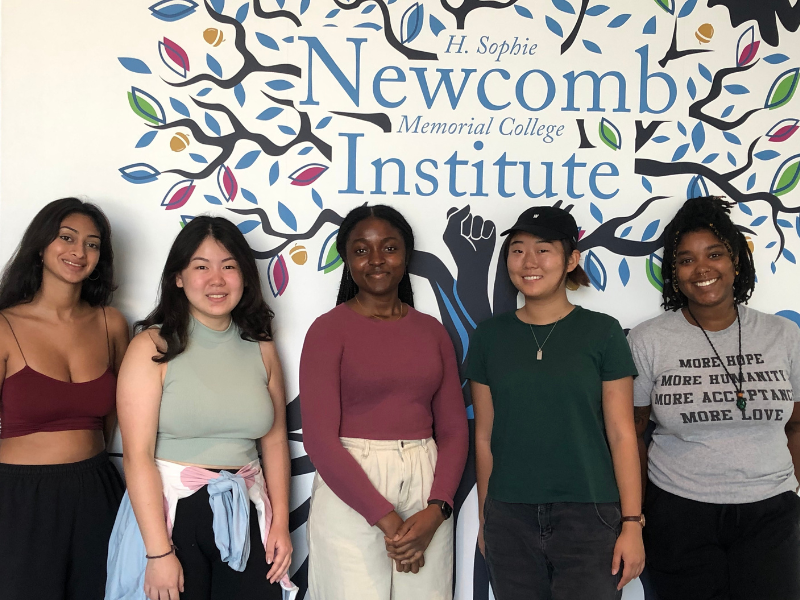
201, 386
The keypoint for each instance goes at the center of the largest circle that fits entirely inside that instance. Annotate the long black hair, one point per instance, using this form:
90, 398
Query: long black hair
251, 315
348, 288
22, 276
711, 213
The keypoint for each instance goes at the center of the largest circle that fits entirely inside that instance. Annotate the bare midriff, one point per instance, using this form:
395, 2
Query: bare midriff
51, 447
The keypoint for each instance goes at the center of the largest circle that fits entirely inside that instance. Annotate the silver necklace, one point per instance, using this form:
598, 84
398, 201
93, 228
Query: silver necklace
539, 353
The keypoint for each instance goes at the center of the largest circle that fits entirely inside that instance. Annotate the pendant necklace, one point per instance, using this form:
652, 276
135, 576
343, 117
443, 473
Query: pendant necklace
741, 401
539, 351
381, 317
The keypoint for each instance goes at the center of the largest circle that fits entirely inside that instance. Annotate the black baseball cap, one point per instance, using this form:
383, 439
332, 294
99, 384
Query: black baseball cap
547, 222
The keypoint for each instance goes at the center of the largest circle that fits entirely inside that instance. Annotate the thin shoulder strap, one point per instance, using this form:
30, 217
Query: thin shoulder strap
108, 340
15, 338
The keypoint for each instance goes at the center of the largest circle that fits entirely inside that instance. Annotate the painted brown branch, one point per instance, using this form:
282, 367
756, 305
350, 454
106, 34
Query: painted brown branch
388, 33
673, 53
250, 63
259, 11
567, 44
696, 109
605, 235
467, 6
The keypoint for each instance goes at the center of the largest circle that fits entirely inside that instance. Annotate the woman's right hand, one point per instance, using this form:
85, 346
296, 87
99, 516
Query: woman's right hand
390, 524
163, 578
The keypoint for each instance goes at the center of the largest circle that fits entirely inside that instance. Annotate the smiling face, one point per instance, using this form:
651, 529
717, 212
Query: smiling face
75, 252
537, 267
704, 270
376, 257
213, 284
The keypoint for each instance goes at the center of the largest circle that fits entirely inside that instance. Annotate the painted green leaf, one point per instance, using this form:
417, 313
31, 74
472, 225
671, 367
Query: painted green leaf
144, 109
333, 260
653, 269
786, 177
610, 135
783, 89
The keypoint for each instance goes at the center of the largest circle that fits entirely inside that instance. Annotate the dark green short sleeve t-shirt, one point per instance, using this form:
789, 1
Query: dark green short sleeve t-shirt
548, 437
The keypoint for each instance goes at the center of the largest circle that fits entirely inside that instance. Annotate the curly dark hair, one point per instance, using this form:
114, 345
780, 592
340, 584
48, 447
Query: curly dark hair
22, 276
348, 288
252, 315
711, 213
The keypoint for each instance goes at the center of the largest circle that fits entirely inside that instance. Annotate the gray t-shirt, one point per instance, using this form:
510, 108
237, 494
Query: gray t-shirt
703, 447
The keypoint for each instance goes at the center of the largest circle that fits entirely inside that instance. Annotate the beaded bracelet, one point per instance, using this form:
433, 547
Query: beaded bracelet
171, 551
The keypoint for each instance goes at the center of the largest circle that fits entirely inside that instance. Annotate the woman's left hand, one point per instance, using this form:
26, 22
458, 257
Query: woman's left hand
279, 552
630, 550
413, 537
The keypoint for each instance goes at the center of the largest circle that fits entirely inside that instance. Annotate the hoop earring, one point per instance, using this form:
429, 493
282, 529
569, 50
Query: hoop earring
95, 272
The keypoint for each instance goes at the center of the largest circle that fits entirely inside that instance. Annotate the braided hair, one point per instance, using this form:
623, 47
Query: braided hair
348, 288
711, 213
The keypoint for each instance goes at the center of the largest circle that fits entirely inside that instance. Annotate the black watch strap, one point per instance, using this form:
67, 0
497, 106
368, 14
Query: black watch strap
447, 510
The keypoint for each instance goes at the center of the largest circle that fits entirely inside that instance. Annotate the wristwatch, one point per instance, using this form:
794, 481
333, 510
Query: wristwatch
447, 510
638, 519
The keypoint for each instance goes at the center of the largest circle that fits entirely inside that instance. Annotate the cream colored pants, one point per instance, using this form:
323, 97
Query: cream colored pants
347, 558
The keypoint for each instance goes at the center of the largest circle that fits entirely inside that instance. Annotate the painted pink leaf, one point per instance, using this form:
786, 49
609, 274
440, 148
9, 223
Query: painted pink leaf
178, 194
278, 276
178, 59
783, 130
307, 174
747, 47
227, 184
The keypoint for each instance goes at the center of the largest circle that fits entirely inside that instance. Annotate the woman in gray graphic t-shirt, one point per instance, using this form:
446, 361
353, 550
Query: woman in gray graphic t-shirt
720, 380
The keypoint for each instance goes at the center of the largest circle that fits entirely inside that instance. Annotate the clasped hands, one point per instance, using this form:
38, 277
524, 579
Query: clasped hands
406, 541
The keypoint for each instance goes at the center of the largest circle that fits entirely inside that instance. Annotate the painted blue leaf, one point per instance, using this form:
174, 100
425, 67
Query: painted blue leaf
274, 172
767, 154
553, 26
267, 41
595, 270
280, 85
287, 130
368, 9
212, 199
270, 113
660, 139
248, 226
789, 256
280, 3
411, 23
249, 196
687, 8
776, 59
596, 10
316, 198
145, 140
732, 138
650, 230
247, 160
373, 26
564, 6
731, 159
797, 225
238, 92
745, 209
650, 27
134, 65
772, 266
304, 6
680, 152
691, 88
213, 65
784, 223
212, 123
698, 136
287, 216
624, 272
436, 25
305, 150
332, 13
646, 184
736, 89
751, 181
323, 123
218, 5
172, 10
728, 110
626, 231
704, 72
198, 158
681, 128
241, 14
596, 213
203, 92
758, 221
139, 173
591, 46
619, 21
710, 158
179, 107
697, 187
289, 40
522, 11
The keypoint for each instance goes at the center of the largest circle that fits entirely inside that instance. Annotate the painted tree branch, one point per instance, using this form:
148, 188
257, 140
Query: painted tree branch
467, 6
673, 53
274, 14
567, 44
696, 109
388, 33
250, 63
605, 235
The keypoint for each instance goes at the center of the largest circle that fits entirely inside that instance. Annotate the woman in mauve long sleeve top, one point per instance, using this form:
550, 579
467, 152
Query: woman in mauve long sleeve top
377, 380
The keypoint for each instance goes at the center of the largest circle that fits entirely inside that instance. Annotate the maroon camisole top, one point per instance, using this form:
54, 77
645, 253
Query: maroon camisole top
31, 401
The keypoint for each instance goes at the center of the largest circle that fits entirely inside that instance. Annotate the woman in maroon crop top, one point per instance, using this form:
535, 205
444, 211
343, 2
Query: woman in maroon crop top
60, 349
378, 380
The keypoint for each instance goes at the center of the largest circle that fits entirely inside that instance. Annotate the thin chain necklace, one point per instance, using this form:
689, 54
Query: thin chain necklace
741, 401
381, 317
539, 353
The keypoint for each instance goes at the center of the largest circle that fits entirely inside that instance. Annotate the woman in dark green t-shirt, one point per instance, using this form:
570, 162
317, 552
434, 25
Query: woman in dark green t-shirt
559, 485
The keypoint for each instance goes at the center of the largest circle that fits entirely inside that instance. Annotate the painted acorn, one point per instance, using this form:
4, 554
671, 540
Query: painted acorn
179, 142
299, 254
213, 36
704, 33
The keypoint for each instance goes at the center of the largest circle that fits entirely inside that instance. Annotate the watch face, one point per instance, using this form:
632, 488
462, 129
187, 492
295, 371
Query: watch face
447, 510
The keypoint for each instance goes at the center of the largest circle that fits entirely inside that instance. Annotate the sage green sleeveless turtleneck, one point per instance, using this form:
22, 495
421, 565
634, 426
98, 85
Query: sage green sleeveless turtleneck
215, 403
